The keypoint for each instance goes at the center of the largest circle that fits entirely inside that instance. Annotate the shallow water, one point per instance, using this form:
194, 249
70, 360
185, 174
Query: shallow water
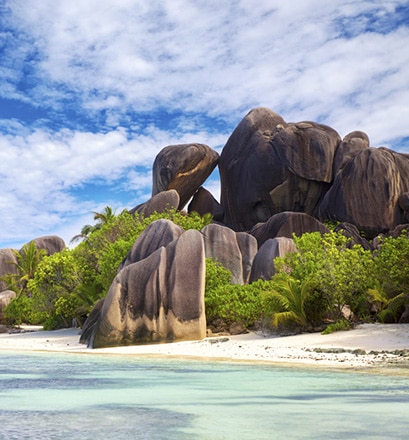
67, 396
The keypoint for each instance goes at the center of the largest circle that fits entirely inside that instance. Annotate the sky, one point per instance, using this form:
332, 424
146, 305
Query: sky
92, 90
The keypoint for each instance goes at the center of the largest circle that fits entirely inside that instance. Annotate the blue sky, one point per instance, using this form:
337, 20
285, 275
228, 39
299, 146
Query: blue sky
91, 91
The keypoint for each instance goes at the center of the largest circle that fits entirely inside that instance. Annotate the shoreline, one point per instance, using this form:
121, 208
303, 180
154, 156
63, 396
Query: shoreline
368, 347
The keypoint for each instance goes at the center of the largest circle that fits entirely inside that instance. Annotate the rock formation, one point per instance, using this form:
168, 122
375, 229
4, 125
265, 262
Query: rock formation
269, 166
50, 243
263, 267
157, 299
5, 298
234, 251
8, 258
367, 190
161, 202
286, 224
183, 168
203, 203
159, 233
277, 178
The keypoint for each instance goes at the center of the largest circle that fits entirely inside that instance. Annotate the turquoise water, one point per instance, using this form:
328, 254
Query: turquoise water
67, 396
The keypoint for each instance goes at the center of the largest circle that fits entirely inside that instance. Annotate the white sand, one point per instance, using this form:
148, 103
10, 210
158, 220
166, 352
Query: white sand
379, 341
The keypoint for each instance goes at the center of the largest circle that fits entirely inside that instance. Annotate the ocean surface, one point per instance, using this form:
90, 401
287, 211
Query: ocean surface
78, 396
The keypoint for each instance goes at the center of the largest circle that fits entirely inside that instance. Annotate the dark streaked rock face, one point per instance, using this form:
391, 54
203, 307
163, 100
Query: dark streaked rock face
263, 265
351, 145
369, 191
285, 224
235, 251
270, 166
161, 202
157, 299
159, 233
203, 203
183, 168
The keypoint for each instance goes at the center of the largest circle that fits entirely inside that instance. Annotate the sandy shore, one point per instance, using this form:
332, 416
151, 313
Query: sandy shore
367, 346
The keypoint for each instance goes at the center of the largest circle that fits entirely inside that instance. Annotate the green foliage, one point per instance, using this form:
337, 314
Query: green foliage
67, 284
288, 297
27, 261
392, 264
22, 311
112, 242
230, 302
340, 273
57, 276
338, 326
394, 309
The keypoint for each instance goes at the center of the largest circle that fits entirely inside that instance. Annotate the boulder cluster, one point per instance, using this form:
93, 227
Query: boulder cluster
277, 178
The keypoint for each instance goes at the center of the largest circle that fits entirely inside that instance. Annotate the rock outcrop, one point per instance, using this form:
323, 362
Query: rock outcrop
164, 201
263, 267
157, 299
367, 190
234, 251
5, 298
183, 168
269, 166
159, 233
50, 243
286, 224
203, 203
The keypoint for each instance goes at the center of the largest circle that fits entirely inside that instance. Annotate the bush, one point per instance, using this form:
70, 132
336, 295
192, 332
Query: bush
342, 275
338, 326
21, 310
230, 302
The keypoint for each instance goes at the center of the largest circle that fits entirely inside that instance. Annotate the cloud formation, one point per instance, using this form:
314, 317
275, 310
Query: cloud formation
91, 91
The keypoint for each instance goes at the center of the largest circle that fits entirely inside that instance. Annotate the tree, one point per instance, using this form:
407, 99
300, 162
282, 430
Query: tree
57, 276
26, 263
102, 218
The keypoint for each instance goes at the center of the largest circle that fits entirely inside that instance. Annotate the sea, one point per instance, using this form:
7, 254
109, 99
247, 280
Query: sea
87, 396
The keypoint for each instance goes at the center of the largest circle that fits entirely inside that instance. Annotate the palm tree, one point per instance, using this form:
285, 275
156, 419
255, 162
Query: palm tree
27, 260
291, 295
102, 218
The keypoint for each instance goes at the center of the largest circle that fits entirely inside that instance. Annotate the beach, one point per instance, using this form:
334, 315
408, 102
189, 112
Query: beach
366, 346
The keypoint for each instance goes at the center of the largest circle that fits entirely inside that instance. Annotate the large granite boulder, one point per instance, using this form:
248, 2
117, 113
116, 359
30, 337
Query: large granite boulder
161, 202
269, 166
5, 298
159, 233
285, 224
369, 191
203, 203
183, 168
235, 251
157, 299
50, 243
8, 264
263, 265
352, 144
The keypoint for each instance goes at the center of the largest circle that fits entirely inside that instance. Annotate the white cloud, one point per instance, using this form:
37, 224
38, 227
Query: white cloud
342, 63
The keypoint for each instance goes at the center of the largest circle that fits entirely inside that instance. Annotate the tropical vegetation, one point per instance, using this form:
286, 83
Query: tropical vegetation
328, 280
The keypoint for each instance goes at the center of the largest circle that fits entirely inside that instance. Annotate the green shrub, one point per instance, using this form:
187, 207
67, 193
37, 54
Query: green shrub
230, 302
338, 326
